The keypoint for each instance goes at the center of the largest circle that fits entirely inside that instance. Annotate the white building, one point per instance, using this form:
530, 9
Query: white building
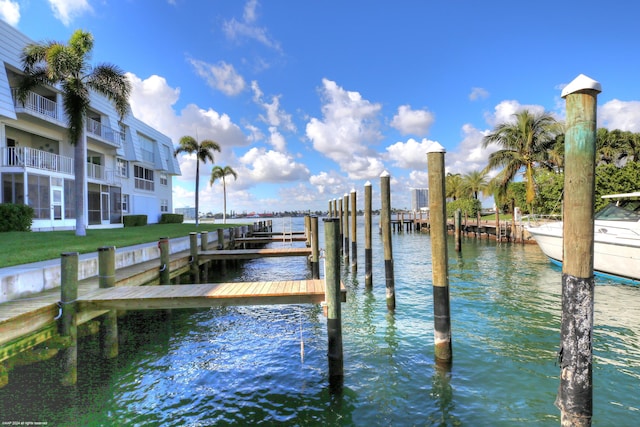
419, 199
129, 164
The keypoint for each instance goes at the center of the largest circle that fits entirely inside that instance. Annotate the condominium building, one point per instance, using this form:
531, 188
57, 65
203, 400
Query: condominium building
129, 164
419, 199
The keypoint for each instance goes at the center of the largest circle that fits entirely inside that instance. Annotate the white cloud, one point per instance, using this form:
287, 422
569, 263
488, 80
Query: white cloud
347, 129
332, 183
275, 116
66, 10
505, 112
469, 154
245, 29
415, 122
623, 115
478, 93
271, 166
277, 140
409, 155
10, 12
221, 76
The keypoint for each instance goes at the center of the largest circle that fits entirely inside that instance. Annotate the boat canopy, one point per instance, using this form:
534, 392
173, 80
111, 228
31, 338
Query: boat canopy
623, 195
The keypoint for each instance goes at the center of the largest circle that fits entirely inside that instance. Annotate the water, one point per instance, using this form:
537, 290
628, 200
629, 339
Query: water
243, 365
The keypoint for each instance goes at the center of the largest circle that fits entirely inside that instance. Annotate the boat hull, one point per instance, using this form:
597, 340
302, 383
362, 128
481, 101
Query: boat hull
612, 255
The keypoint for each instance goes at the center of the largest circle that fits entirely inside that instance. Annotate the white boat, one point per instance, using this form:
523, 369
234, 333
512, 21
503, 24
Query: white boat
616, 238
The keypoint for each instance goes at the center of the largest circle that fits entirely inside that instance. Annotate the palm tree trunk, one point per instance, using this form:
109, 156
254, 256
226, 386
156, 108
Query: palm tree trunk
197, 188
80, 172
224, 201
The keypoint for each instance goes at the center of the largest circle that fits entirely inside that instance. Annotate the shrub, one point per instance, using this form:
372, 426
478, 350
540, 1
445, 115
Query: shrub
134, 220
170, 218
15, 217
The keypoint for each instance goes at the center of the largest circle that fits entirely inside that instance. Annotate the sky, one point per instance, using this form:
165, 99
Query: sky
310, 100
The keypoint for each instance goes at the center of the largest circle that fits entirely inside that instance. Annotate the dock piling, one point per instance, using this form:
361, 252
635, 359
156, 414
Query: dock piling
368, 261
165, 272
345, 220
385, 224
315, 248
109, 324
457, 220
439, 257
68, 325
575, 393
193, 251
334, 312
354, 232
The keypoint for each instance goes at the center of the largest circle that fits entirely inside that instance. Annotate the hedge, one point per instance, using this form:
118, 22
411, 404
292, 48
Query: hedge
15, 217
170, 218
134, 220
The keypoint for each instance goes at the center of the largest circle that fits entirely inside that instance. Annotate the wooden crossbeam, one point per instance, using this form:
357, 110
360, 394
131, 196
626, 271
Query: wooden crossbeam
253, 253
267, 239
206, 295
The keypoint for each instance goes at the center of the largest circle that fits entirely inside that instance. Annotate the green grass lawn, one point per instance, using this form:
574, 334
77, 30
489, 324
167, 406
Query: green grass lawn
26, 247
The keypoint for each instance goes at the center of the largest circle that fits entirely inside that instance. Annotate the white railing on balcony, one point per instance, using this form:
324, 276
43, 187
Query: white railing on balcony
37, 104
38, 159
100, 173
113, 136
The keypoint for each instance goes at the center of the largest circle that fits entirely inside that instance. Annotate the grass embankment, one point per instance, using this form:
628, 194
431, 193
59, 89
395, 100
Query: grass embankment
25, 247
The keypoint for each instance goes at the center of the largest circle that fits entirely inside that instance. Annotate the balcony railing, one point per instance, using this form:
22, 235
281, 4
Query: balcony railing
104, 132
37, 104
38, 159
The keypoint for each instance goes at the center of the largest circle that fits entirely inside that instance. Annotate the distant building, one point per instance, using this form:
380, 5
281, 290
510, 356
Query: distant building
419, 199
189, 213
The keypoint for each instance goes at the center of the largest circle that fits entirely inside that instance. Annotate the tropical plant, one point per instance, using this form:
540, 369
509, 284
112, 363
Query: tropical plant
203, 152
54, 63
453, 186
220, 173
525, 144
474, 182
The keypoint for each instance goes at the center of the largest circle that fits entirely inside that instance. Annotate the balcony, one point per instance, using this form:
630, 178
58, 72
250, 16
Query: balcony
38, 106
99, 173
105, 133
37, 159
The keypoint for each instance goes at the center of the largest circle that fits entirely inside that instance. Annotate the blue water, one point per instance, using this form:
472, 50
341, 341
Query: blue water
243, 365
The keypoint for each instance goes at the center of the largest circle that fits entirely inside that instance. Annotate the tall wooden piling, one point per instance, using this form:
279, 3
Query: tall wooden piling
204, 245
457, 222
385, 223
439, 260
354, 232
345, 229
575, 394
315, 248
332, 299
165, 272
307, 230
220, 238
340, 221
193, 257
68, 326
368, 260
109, 324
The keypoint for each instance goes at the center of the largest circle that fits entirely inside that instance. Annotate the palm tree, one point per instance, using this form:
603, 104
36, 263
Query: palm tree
453, 185
219, 172
475, 182
202, 150
54, 63
525, 144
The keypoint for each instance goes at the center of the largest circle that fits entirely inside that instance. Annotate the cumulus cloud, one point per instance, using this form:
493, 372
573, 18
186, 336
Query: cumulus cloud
415, 122
409, 155
220, 76
349, 125
623, 115
505, 112
331, 183
272, 166
10, 12
478, 93
66, 10
274, 115
469, 155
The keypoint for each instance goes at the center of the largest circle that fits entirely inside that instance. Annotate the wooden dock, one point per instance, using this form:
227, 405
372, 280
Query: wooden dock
238, 254
269, 239
206, 295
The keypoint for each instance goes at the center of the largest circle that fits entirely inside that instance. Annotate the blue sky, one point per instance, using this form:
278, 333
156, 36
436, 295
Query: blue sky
310, 99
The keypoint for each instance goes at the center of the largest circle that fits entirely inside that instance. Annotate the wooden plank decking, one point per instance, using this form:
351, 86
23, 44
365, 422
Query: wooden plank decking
253, 253
267, 239
206, 295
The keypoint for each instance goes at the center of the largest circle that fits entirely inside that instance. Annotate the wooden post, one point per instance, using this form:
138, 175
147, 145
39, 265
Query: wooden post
354, 232
315, 248
498, 234
307, 230
368, 262
193, 259
165, 272
220, 238
457, 221
345, 246
107, 279
439, 260
204, 245
332, 299
575, 394
340, 217
385, 222
68, 326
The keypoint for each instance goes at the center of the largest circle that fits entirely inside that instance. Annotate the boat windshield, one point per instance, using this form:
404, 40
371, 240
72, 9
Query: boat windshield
624, 210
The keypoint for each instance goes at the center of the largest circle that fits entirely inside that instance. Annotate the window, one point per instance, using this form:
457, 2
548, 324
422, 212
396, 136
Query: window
163, 178
147, 145
144, 178
13, 188
164, 205
122, 168
125, 203
69, 199
39, 196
